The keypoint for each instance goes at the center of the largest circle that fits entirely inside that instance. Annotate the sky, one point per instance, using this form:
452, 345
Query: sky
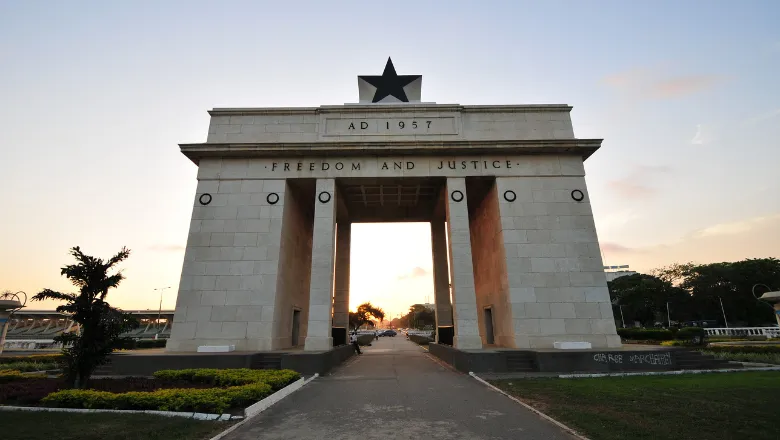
96, 96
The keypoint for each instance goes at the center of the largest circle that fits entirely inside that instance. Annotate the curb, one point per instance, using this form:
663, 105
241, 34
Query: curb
266, 403
569, 430
189, 415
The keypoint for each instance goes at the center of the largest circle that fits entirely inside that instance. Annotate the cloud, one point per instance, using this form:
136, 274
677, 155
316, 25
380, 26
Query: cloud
166, 248
636, 183
703, 135
645, 83
754, 237
737, 227
761, 117
615, 248
416, 272
684, 85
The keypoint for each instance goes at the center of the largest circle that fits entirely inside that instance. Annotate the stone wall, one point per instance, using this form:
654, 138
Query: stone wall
292, 289
490, 277
229, 276
557, 286
524, 122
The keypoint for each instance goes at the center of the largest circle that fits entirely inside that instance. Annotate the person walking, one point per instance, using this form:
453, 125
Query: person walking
353, 340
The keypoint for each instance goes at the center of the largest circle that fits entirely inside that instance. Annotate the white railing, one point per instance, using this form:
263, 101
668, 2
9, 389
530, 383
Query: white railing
769, 332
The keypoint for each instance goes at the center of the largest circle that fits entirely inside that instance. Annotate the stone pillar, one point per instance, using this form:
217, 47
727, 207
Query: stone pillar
464, 300
341, 293
441, 281
318, 335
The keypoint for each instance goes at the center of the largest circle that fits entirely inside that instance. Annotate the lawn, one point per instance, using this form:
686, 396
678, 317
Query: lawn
696, 407
20, 425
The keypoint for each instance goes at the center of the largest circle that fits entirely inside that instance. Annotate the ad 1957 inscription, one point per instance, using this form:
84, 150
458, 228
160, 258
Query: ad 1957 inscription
416, 126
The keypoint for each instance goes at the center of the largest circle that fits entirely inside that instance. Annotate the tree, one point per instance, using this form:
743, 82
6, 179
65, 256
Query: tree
101, 325
644, 298
364, 314
729, 282
420, 316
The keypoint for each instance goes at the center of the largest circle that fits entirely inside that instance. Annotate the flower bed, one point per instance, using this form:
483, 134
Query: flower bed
30, 389
219, 391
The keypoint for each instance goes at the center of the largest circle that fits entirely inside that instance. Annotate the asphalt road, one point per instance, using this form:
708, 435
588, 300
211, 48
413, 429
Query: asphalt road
396, 391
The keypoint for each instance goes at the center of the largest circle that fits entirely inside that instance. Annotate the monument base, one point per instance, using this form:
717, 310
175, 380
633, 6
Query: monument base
575, 361
147, 362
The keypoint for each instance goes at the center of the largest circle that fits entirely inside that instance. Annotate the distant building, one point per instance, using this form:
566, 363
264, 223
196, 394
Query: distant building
429, 306
614, 272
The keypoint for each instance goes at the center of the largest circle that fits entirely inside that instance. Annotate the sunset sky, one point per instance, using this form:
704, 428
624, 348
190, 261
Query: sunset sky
96, 96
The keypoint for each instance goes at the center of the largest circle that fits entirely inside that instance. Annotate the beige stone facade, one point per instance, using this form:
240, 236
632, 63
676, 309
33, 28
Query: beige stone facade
515, 252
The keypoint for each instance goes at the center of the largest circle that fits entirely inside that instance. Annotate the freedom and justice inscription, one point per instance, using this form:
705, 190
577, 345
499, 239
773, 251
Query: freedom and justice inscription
396, 166
390, 126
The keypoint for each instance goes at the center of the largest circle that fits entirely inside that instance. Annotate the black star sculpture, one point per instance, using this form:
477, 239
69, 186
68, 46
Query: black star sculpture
390, 83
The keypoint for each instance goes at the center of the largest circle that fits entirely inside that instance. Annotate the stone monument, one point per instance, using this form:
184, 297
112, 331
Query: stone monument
502, 186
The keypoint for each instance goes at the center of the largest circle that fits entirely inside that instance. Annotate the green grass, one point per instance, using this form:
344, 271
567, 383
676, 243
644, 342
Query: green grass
20, 425
686, 407
766, 358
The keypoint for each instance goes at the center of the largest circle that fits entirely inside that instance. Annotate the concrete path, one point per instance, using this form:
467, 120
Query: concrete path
396, 391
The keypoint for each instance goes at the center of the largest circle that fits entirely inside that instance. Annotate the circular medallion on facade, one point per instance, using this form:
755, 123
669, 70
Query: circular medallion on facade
205, 199
510, 195
577, 195
324, 197
272, 198
456, 196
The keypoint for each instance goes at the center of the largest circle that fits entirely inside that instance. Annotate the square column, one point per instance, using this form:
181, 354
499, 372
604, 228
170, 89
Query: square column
557, 286
318, 337
464, 299
341, 294
441, 281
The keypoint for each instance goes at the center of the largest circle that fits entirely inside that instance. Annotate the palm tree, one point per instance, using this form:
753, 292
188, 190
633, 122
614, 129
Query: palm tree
101, 325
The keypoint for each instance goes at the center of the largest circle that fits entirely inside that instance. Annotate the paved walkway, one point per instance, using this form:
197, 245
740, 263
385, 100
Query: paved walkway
396, 391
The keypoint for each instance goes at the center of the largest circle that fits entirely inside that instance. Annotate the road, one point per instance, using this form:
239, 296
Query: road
395, 390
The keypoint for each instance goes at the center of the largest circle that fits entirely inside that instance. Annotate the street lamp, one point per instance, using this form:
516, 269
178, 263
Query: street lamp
622, 319
724, 312
159, 310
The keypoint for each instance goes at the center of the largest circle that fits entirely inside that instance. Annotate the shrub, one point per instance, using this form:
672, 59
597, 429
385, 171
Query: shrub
770, 349
646, 334
421, 340
150, 343
16, 375
765, 358
10, 375
214, 400
32, 358
277, 379
691, 335
31, 366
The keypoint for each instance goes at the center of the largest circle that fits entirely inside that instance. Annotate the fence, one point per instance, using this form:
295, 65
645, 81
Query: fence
769, 332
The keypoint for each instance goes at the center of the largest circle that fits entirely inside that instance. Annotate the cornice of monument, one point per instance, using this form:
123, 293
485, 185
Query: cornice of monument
580, 147
390, 108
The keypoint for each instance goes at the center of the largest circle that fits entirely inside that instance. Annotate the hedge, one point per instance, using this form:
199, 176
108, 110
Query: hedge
31, 358
646, 334
421, 340
211, 400
775, 349
32, 366
14, 375
277, 379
